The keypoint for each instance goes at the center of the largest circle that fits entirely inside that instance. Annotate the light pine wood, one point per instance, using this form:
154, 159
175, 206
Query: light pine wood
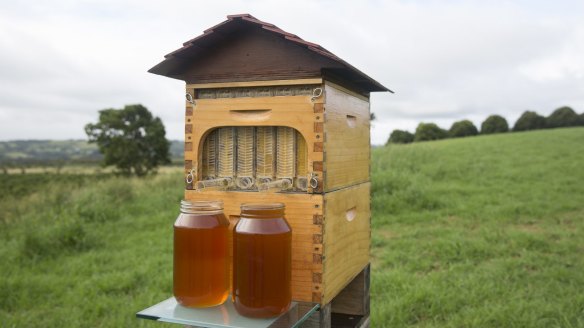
292, 111
347, 91
347, 139
330, 245
347, 237
253, 83
300, 210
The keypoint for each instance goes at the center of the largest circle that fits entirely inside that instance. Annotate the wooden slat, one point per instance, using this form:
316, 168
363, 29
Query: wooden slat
347, 148
346, 243
253, 83
354, 299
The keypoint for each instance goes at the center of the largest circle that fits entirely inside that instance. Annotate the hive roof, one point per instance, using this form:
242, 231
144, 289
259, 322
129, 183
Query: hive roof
205, 58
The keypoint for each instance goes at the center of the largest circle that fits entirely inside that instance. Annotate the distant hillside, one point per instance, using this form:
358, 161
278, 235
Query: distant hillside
50, 152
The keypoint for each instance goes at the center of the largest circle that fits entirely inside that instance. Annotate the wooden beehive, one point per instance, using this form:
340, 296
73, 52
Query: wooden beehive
248, 81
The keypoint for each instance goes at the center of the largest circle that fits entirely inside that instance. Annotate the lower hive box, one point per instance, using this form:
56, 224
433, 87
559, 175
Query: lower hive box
330, 235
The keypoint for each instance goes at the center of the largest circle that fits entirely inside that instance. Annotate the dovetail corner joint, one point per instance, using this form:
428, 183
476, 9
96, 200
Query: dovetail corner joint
319, 108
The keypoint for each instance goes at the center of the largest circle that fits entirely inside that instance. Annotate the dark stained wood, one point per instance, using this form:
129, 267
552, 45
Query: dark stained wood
320, 319
340, 320
354, 299
304, 60
254, 54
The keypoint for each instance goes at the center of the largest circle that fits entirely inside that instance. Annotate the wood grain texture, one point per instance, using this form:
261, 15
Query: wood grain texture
354, 298
328, 250
300, 211
255, 55
347, 139
291, 111
346, 243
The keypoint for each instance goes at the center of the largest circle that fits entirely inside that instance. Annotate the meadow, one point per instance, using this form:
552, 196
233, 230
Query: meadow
484, 231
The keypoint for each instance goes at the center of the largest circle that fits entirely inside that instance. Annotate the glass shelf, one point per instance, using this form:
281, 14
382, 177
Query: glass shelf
225, 315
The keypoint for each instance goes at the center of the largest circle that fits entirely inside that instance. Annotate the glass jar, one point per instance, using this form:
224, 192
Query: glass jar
201, 254
262, 260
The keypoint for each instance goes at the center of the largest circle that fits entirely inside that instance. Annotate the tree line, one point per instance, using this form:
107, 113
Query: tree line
529, 120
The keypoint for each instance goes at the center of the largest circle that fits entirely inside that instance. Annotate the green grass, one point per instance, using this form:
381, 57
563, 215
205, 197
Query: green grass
87, 255
480, 232
474, 232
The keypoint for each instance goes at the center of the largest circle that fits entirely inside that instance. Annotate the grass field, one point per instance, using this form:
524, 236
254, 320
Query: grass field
474, 232
480, 232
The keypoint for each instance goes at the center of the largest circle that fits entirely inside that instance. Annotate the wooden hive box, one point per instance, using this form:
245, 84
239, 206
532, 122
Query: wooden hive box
248, 73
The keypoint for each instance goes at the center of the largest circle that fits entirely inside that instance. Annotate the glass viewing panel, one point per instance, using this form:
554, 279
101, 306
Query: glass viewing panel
254, 159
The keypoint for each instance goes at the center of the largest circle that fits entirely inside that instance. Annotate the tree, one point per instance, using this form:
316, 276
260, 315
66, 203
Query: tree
463, 128
400, 137
529, 121
372, 117
429, 131
582, 119
131, 139
561, 117
494, 124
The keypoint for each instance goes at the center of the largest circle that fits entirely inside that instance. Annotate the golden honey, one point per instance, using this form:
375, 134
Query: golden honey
201, 255
262, 260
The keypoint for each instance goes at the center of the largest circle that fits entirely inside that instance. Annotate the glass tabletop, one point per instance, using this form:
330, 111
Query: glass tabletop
225, 315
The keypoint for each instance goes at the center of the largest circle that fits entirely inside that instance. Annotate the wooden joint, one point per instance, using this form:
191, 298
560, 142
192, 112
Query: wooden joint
317, 277
189, 111
188, 128
317, 219
318, 127
317, 258
318, 147
188, 146
316, 287
188, 165
317, 166
189, 186
317, 239
319, 108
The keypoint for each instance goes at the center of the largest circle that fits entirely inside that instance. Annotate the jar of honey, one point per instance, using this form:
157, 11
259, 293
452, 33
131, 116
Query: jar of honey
262, 259
201, 254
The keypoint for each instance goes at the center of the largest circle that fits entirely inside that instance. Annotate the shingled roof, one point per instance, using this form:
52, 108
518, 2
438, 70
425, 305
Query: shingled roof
200, 60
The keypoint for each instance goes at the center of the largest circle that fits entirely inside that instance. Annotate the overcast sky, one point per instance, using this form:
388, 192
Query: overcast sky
63, 60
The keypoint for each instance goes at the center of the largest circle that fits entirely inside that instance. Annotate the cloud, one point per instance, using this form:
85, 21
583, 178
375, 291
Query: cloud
62, 61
